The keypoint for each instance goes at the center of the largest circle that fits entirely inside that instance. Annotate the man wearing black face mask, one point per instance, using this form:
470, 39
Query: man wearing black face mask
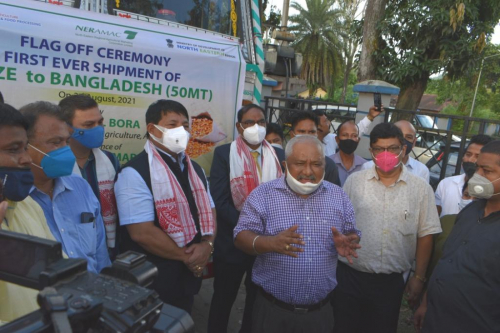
410, 135
18, 212
347, 139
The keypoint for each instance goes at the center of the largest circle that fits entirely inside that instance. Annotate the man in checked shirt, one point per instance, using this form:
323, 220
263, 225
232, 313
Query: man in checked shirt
297, 225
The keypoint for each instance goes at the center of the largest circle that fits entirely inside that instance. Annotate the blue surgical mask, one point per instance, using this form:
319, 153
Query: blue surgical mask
16, 182
90, 138
57, 163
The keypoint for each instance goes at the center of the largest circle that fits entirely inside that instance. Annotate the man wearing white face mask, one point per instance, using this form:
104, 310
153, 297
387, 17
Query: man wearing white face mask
297, 226
237, 169
165, 208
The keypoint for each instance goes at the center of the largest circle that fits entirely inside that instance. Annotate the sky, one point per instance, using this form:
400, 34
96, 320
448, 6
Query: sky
279, 4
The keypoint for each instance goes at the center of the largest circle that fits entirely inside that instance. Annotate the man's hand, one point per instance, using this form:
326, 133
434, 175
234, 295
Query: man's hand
3, 211
283, 242
346, 245
198, 257
419, 316
373, 112
413, 291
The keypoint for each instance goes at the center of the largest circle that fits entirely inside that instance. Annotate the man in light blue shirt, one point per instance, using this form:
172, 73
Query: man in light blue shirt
72, 210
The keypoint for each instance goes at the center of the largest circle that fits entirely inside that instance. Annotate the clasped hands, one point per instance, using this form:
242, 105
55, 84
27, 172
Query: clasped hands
286, 243
197, 256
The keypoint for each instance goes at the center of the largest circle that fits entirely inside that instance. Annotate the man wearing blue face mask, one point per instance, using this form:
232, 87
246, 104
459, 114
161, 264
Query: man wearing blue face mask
165, 208
18, 211
97, 166
72, 211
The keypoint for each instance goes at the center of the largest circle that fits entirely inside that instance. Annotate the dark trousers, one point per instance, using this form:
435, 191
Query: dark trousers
270, 318
366, 302
227, 280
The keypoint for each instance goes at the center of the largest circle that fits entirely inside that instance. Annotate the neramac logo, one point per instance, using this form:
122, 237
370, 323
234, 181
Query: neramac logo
128, 33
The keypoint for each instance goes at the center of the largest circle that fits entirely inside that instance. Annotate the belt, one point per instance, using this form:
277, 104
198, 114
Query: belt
294, 308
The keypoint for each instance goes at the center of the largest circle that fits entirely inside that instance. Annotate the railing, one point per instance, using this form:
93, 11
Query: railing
441, 138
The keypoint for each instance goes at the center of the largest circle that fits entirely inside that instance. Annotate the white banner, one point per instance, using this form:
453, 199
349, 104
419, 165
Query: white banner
48, 52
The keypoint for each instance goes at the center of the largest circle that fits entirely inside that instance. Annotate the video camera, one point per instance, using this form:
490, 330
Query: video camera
74, 300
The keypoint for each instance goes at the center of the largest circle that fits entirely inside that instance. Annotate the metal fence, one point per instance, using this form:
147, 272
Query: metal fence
441, 138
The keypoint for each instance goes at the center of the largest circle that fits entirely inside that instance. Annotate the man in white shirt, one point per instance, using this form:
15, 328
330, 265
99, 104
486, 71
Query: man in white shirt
410, 135
449, 191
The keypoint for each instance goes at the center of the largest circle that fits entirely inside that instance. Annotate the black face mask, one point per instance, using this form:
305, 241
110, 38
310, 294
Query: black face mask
469, 168
348, 146
409, 147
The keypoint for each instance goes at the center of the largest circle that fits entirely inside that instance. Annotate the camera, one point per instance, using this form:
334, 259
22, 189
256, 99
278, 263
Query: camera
75, 300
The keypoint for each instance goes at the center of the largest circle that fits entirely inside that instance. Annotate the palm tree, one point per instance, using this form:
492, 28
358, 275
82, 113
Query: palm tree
318, 30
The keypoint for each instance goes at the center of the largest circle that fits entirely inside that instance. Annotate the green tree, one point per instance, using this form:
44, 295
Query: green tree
424, 37
317, 29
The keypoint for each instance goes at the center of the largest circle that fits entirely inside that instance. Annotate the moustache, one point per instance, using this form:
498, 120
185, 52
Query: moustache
312, 177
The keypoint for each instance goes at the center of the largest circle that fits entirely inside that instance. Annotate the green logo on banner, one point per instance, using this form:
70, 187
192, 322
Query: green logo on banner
130, 34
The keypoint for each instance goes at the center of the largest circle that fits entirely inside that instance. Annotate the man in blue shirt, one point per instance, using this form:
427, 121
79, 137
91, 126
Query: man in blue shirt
72, 211
98, 167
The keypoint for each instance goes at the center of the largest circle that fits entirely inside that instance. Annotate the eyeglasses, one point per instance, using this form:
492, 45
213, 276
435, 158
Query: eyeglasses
250, 123
391, 149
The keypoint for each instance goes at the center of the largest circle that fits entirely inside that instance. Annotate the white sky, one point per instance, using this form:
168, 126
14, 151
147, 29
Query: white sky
279, 4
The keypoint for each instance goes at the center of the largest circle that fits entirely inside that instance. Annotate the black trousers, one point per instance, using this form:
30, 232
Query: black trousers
227, 280
366, 302
270, 318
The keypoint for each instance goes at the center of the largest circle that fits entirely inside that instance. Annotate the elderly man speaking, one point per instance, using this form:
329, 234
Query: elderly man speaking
297, 225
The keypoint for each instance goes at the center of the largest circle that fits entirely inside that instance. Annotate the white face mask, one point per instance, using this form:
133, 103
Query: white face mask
175, 139
299, 187
255, 134
463, 202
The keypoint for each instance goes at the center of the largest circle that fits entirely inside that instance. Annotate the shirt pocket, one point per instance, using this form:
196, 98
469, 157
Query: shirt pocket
87, 232
407, 223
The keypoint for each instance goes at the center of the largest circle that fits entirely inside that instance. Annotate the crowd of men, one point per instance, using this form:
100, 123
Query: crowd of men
326, 240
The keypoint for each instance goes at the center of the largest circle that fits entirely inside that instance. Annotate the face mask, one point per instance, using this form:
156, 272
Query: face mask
57, 163
299, 187
481, 188
90, 138
277, 145
17, 183
469, 168
409, 147
175, 139
348, 146
463, 202
255, 134
386, 161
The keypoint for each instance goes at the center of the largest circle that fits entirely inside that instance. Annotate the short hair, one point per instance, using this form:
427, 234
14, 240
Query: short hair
163, 106
303, 115
33, 111
345, 122
11, 117
303, 139
274, 128
72, 103
319, 113
246, 108
492, 147
480, 139
386, 131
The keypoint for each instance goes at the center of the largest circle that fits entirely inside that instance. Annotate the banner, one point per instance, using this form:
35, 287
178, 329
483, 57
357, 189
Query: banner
48, 52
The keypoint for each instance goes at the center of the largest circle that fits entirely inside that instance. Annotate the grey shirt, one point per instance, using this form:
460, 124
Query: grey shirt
464, 289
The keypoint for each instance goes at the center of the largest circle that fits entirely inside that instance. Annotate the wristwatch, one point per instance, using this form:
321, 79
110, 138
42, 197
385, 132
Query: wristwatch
211, 245
421, 279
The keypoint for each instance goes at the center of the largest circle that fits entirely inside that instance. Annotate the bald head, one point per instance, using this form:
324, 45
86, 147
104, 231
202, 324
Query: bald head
304, 141
409, 132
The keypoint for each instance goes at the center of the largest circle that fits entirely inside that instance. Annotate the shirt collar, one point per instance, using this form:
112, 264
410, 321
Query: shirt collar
372, 173
411, 163
358, 160
60, 185
180, 156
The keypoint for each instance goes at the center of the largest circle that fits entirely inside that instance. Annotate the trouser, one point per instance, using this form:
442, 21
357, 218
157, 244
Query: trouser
366, 302
227, 280
271, 318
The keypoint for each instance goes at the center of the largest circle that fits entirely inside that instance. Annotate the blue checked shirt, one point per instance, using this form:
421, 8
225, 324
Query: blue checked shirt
272, 208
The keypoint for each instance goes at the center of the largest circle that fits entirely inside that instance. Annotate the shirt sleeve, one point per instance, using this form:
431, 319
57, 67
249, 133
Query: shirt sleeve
102, 255
428, 223
349, 219
212, 204
439, 193
426, 174
363, 126
250, 216
133, 198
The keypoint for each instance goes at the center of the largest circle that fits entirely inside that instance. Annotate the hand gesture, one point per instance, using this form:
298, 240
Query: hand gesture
413, 291
419, 316
198, 257
346, 245
3, 211
373, 112
283, 242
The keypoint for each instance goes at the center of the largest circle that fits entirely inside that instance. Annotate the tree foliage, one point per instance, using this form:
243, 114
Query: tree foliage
423, 37
318, 30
